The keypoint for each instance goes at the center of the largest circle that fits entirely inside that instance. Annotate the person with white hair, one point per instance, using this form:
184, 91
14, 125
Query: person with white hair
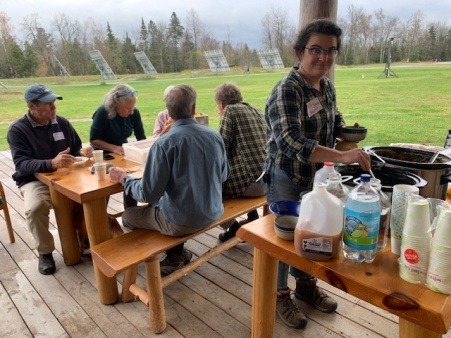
163, 122
115, 120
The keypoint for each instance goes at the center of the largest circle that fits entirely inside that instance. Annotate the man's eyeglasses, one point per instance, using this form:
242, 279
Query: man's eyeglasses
316, 51
130, 93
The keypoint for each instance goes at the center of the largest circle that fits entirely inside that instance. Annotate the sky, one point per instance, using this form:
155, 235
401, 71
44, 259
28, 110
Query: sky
234, 20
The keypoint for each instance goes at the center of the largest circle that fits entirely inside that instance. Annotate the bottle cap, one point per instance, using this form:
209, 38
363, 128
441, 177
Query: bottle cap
329, 164
365, 178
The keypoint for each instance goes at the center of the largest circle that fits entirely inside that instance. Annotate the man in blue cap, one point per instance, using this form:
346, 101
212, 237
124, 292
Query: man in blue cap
41, 141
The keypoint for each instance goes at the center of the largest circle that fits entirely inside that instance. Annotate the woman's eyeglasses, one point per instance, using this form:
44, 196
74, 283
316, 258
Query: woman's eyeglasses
316, 51
130, 93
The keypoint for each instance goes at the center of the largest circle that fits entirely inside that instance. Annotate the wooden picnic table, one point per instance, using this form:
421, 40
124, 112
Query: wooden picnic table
77, 184
422, 312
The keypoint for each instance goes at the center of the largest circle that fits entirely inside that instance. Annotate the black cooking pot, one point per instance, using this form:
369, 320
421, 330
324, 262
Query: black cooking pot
388, 176
411, 158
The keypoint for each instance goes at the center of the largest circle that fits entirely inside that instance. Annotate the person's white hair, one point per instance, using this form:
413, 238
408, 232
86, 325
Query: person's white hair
166, 91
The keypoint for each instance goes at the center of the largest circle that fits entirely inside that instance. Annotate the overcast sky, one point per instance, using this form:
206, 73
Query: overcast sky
239, 20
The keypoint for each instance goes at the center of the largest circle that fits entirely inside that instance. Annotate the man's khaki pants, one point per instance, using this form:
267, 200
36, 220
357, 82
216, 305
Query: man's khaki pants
37, 202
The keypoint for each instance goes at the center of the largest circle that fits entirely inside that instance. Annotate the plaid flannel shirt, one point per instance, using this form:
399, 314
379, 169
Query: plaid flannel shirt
292, 133
243, 130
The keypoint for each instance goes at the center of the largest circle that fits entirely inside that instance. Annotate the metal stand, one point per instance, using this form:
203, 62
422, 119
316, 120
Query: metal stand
387, 71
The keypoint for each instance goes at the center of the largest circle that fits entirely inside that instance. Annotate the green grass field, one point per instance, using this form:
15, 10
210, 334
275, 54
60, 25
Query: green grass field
413, 108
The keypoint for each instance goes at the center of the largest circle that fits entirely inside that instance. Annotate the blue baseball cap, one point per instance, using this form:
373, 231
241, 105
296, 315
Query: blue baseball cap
41, 93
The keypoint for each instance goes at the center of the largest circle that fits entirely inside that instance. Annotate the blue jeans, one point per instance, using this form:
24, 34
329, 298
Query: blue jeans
280, 187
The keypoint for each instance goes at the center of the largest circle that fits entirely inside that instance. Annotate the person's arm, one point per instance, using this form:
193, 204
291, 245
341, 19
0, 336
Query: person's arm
97, 132
227, 131
138, 127
323, 154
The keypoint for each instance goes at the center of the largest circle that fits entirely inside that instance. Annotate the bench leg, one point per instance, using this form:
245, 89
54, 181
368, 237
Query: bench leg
129, 279
155, 293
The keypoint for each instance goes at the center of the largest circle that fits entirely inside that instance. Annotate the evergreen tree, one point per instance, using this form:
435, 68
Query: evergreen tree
128, 60
174, 38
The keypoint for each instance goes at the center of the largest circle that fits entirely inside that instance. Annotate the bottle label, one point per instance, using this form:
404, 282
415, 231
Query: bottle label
361, 229
318, 245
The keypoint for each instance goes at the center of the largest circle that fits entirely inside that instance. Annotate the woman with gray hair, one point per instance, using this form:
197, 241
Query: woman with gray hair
116, 119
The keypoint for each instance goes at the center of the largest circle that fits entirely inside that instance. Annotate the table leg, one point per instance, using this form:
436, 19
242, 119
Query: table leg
63, 208
408, 329
264, 294
96, 219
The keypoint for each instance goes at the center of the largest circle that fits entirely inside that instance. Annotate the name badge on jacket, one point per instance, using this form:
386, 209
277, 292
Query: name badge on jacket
58, 136
313, 107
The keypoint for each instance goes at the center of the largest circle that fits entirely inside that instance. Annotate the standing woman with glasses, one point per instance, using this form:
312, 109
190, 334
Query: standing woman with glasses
300, 114
116, 119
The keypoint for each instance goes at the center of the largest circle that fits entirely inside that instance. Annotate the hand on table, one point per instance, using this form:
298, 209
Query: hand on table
86, 152
117, 174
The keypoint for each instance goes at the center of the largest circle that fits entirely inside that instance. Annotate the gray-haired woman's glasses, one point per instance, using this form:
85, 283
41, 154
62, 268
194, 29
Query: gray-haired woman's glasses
130, 93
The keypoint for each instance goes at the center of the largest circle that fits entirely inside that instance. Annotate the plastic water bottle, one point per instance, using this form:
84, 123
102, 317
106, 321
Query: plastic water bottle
384, 222
335, 186
362, 217
322, 174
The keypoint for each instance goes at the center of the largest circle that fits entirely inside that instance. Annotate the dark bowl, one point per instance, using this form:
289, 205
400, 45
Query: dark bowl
281, 208
353, 134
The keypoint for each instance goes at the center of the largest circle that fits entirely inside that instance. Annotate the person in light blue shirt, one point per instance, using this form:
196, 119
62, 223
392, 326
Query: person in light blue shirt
182, 179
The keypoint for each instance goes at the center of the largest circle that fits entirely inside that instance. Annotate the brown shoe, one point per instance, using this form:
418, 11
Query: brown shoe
307, 291
288, 311
114, 227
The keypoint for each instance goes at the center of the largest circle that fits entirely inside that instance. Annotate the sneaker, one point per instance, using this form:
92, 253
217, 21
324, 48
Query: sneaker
175, 262
307, 291
46, 264
288, 311
230, 233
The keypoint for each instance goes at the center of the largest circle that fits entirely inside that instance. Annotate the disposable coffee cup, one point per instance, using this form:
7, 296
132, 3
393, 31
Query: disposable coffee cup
418, 219
98, 156
400, 198
100, 170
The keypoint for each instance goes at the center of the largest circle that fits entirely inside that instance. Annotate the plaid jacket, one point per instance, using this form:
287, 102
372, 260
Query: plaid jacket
243, 129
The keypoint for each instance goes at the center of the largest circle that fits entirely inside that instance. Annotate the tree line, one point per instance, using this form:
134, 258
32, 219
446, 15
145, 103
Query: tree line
174, 47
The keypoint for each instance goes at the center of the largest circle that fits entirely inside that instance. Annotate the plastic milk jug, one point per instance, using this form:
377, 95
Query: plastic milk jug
319, 228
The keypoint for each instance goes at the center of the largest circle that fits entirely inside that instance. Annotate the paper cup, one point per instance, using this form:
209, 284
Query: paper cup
98, 156
439, 270
442, 234
100, 170
400, 197
418, 219
414, 258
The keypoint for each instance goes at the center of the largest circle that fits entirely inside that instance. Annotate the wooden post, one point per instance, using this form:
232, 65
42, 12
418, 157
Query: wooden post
318, 9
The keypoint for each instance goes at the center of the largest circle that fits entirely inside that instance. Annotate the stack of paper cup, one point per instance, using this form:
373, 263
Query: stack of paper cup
439, 269
416, 241
400, 196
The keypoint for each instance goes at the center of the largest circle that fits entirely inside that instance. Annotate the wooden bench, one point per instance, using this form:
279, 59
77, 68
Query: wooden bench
126, 251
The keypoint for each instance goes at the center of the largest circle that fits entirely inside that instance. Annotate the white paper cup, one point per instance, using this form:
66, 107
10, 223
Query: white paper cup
439, 270
100, 170
98, 156
442, 234
418, 217
400, 197
414, 258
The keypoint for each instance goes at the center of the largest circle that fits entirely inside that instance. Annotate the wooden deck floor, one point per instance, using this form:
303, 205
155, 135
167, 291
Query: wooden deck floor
213, 301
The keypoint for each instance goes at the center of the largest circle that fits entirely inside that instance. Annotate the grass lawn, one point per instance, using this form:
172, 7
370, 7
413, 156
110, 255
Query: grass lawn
412, 108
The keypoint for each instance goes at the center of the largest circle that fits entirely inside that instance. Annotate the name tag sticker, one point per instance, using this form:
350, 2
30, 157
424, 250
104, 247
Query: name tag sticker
58, 136
313, 107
